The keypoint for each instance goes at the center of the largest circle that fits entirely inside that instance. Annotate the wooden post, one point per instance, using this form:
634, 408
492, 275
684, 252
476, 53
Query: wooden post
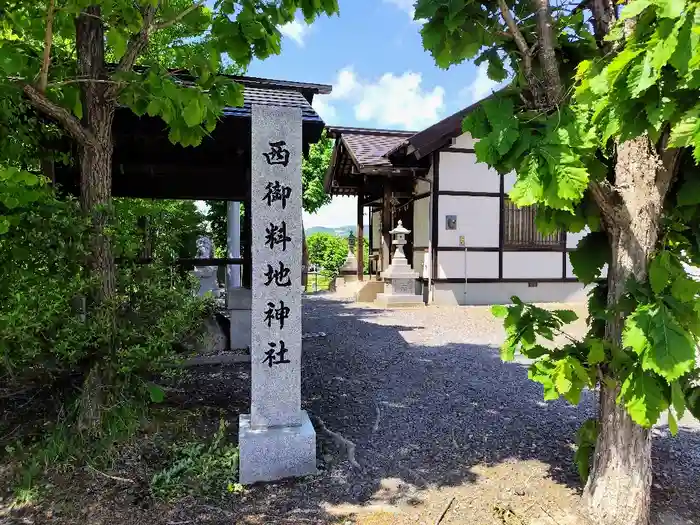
360, 245
386, 225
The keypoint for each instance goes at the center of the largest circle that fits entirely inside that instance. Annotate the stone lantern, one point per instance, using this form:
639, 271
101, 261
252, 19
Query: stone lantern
399, 278
348, 272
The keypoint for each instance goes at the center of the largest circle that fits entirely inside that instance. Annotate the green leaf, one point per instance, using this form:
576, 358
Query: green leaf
596, 352
669, 8
528, 188
193, 113
642, 76
660, 272
156, 393
476, 123
634, 8
636, 330
689, 192
671, 353
684, 131
153, 108
586, 438
589, 257
117, 41
566, 316
499, 310
677, 399
563, 380
644, 398
672, 423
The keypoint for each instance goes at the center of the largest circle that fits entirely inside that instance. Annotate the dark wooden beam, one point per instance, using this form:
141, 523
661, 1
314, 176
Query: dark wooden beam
386, 226
360, 233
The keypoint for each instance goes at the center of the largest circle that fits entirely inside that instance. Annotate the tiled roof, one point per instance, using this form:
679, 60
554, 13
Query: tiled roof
368, 146
273, 97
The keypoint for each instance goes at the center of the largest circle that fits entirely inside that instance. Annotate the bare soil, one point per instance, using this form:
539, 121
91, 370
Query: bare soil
444, 433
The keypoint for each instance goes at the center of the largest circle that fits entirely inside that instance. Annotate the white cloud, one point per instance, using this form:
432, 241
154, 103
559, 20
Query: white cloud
481, 87
341, 211
295, 30
390, 101
327, 112
407, 6
404, 5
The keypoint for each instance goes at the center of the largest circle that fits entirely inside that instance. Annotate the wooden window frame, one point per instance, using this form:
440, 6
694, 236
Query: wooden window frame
530, 238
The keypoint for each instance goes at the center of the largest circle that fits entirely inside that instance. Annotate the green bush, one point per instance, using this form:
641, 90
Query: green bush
327, 251
196, 467
52, 331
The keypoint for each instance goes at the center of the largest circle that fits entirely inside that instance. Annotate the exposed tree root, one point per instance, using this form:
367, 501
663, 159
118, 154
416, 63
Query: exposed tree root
340, 441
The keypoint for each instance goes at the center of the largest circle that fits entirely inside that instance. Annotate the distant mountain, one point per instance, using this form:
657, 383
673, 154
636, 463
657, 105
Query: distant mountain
341, 231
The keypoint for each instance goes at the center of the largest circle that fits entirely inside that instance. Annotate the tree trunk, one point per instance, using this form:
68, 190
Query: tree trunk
96, 162
95, 196
618, 488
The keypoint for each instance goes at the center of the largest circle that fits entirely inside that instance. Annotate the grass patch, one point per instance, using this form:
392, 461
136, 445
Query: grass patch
209, 469
317, 283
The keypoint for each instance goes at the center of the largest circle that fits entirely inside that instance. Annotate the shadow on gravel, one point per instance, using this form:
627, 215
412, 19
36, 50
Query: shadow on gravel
424, 416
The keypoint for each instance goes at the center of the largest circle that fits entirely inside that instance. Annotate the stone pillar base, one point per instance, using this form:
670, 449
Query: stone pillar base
273, 453
399, 300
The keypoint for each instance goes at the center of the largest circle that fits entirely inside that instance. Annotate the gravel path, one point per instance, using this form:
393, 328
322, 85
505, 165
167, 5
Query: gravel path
435, 415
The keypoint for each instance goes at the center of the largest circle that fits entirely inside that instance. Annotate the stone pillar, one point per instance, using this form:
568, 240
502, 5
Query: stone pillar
277, 439
237, 298
399, 279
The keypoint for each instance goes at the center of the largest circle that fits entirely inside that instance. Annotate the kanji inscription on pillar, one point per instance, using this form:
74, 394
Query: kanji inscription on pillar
276, 259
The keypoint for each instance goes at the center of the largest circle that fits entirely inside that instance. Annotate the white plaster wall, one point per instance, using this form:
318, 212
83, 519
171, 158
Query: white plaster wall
477, 220
422, 186
421, 263
376, 229
509, 181
572, 239
464, 141
461, 172
450, 265
500, 293
480, 265
421, 222
532, 265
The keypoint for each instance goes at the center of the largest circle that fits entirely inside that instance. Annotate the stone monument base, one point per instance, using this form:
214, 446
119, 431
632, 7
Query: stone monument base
273, 453
398, 300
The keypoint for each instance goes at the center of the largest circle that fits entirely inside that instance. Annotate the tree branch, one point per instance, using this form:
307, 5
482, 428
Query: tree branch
82, 81
517, 36
604, 196
179, 17
60, 114
48, 39
137, 42
547, 56
604, 16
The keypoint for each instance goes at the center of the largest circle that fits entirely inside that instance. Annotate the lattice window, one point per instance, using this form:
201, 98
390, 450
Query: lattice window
520, 231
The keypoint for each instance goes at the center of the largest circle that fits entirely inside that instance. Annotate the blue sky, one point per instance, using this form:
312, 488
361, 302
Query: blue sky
382, 77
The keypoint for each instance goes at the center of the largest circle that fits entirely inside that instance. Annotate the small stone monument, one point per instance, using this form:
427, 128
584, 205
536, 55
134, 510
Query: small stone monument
399, 278
277, 439
348, 272
208, 283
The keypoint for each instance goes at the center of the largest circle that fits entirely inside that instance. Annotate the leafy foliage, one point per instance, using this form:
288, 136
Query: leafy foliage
327, 251
648, 83
313, 172
211, 469
184, 34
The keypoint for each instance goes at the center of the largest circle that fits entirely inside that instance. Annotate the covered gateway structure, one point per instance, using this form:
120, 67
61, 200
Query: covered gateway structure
469, 243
